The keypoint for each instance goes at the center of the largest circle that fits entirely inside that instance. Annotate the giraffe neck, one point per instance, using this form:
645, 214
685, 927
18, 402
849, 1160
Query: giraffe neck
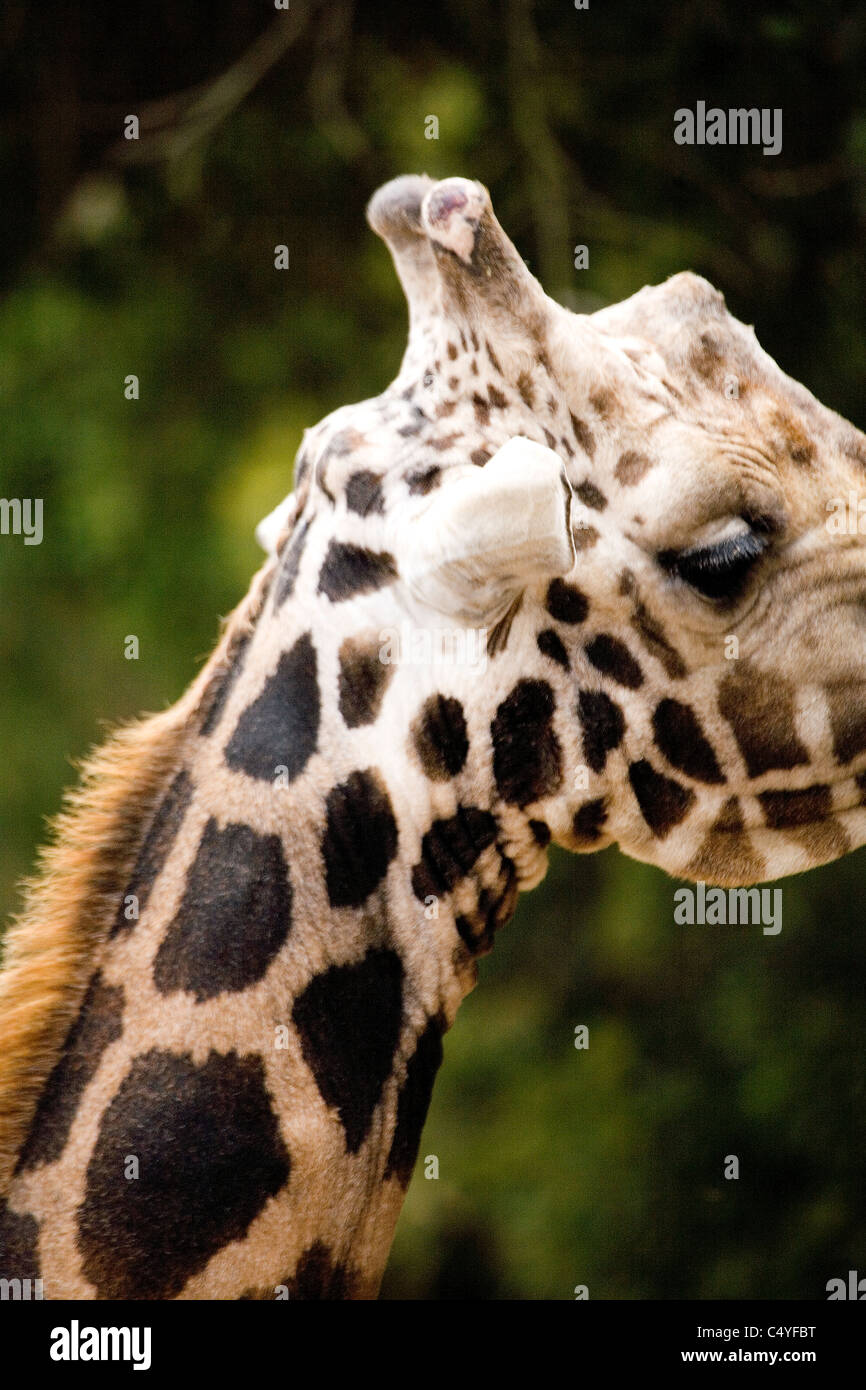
294, 939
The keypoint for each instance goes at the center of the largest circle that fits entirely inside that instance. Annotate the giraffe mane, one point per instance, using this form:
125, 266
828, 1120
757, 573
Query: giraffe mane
72, 898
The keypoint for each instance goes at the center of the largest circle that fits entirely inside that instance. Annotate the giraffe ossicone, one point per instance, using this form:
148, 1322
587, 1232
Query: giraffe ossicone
322, 840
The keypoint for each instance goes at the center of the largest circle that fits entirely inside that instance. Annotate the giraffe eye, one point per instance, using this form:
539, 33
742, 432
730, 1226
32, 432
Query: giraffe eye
717, 571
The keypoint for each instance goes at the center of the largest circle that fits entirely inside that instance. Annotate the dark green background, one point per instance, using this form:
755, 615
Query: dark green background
557, 1167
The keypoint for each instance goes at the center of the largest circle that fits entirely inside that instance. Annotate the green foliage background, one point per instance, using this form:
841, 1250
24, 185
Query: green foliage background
557, 1167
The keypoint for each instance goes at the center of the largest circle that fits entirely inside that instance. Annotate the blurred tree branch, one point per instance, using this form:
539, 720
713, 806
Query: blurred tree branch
543, 160
169, 126
327, 84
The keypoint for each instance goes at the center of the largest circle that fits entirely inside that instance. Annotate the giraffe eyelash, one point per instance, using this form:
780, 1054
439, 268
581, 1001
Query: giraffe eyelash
717, 571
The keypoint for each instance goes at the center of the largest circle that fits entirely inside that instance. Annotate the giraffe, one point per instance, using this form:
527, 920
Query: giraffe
567, 579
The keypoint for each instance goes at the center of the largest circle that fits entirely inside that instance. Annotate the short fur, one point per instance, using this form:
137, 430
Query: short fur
70, 902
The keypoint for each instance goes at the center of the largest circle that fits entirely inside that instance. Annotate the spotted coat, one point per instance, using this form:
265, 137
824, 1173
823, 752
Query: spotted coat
338, 828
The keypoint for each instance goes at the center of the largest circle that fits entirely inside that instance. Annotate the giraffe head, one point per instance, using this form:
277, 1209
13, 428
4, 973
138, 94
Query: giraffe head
625, 515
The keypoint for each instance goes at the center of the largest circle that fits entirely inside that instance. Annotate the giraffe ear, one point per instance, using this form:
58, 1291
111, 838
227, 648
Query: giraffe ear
271, 527
490, 533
